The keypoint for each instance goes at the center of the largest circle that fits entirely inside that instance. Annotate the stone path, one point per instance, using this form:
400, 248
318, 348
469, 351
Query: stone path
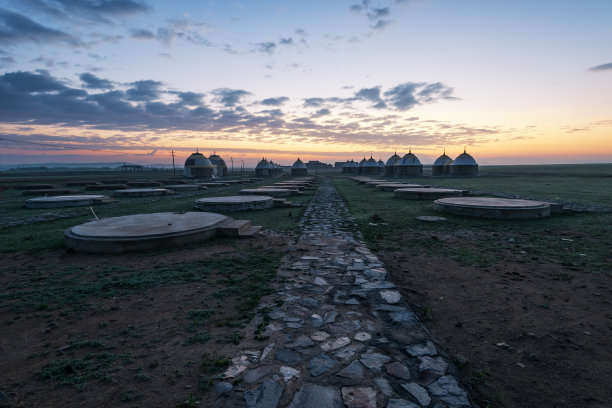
338, 333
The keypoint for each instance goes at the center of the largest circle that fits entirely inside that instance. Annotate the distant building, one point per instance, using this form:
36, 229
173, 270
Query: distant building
338, 165
464, 165
219, 166
370, 166
299, 168
317, 165
442, 165
350, 167
198, 166
408, 166
390, 165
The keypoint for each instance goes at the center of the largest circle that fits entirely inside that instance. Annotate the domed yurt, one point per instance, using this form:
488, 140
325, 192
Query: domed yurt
442, 165
350, 167
381, 166
464, 165
360, 165
408, 166
389, 166
198, 166
262, 169
299, 168
370, 167
219, 166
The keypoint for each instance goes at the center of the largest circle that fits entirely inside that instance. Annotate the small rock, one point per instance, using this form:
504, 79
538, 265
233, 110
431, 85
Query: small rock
449, 391
359, 397
390, 296
288, 373
335, 344
320, 281
362, 336
435, 366
427, 349
398, 370
221, 387
330, 317
267, 396
316, 320
252, 376
353, 371
407, 317
384, 386
400, 403
374, 361
321, 364
266, 351
418, 392
319, 336
317, 396
287, 356
348, 352
503, 345
309, 303
301, 342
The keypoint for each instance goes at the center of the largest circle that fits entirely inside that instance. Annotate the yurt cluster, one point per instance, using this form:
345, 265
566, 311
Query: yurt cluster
410, 166
198, 166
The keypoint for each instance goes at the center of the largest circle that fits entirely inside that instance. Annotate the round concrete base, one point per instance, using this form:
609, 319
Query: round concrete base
427, 193
489, 207
142, 192
271, 192
234, 203
185, 187
430, 218
67, 201
395, 186
141, 232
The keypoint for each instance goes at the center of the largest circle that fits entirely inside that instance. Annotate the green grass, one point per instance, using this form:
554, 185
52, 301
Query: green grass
50, 234
478, 242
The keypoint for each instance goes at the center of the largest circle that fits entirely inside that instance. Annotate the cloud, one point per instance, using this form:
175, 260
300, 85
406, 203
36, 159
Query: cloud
191, 31
378, 16
274, 101
144, 90
26, 82
16, 28
230, 97
372, 95
141, 34
266, 47
93, 82
313, 102
321, 112
410, 94
602, 67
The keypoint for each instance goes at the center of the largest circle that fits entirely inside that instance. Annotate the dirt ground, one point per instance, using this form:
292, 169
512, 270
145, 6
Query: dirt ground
524, 333
143, 348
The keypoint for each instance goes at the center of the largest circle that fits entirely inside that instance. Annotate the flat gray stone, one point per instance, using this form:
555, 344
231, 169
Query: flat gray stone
267, 396
374, 361
400, 403
330, 317
317, 396
418, 392
321, 364
309, 303
316, 320
344, 328
301, 342
359, 397
288, 373
384, 386
435, 366
319, 336
287, 356
353, 371
398, 370
348, 352
403, 317
427, 349
377, 285
362, 336
256, 374
390, 296
447, 389
276, 313
375, 274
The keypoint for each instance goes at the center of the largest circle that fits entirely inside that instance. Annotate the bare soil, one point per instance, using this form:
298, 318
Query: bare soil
138, 349
524, 333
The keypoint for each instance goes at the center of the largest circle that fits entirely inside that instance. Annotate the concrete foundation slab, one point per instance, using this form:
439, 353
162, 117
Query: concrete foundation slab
142, 192
235, 203
186, 187
490, 207
427, 193
272, 192
142, 232
395, 186
67, 201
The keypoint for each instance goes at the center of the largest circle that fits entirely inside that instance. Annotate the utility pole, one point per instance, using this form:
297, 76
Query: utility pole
173, 168
232, 160
241, 170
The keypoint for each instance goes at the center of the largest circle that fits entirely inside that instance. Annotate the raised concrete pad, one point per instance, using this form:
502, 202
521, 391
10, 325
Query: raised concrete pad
186, 187
142, 232
104, 187
490, 207
142, 192
49, 191
395, 186
214, 184
272, 192
430, 218
427, 193
144, 183
235, 203
67, 201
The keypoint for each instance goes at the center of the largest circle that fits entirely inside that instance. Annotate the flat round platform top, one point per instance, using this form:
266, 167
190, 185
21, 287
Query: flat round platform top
263, 190
490, 202
430, 190
141, 190
148, 225
400, 185
59, 199
234, 199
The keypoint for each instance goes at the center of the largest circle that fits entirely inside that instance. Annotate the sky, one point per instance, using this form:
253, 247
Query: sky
513, 82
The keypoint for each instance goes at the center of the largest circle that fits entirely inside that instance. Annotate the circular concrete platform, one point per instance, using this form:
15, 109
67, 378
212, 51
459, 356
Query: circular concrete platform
235, 203
67, 201
186, 187
142, 192
395, 186
272, 192
490, 207
141, 232
427, 193
430, 218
